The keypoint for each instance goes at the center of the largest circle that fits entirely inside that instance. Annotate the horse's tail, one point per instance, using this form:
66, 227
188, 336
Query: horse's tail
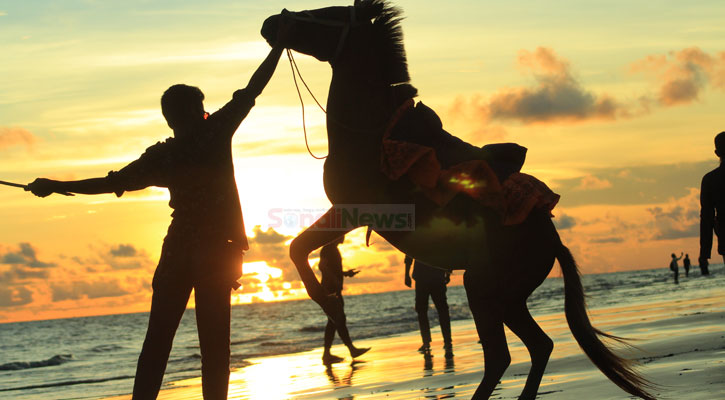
617, 369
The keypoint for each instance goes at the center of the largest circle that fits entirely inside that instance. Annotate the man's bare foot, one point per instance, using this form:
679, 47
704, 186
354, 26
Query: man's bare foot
328, 359
355, 352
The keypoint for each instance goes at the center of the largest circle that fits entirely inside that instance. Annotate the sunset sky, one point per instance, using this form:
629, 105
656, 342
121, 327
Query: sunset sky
618, 103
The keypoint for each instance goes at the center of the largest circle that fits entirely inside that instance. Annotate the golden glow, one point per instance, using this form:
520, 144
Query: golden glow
261, 271
466, 181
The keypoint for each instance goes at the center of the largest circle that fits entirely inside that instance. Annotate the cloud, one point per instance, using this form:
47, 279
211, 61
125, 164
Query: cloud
18, 273
87, 289
15, 296
116, 257
123, 250
564, 222
555, 96
683, 75
609, 239
10, 137
681, 220
651, 184
270, 236
591, 182
270, 246
25, 255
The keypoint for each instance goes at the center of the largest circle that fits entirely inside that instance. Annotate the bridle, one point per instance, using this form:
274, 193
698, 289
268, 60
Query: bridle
307, 16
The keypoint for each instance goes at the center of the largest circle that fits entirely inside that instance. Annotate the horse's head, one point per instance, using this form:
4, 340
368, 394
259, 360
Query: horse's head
323, 33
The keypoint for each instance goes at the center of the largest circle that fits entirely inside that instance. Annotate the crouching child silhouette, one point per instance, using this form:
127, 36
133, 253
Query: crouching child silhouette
205, 241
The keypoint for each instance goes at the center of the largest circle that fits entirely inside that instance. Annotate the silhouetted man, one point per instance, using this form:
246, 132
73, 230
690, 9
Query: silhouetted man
205, 241
430, 282
674, 267
686, 264
332, 276
712, 207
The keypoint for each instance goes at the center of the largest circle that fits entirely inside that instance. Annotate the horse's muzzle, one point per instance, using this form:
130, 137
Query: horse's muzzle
270, 27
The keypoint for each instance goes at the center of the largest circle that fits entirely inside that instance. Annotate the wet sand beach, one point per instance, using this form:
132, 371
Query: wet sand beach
681, 347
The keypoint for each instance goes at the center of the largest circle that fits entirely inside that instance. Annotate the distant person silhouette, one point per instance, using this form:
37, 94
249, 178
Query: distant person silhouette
686, 264
332, 276
674, 267
430, 282
206, 239
712, 208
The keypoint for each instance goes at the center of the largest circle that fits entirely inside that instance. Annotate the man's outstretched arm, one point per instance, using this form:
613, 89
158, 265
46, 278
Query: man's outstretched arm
137, 175
43, 187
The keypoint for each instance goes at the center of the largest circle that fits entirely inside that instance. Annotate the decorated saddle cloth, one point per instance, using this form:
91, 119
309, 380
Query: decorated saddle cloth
415, 145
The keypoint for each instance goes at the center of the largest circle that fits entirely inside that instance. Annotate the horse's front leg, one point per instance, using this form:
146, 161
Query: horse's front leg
305, 243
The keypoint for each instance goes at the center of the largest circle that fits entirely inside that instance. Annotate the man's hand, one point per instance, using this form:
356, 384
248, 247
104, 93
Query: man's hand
408, 282
703, 262
42, 187
350, 273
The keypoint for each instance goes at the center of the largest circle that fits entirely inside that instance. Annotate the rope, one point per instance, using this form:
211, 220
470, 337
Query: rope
293, 66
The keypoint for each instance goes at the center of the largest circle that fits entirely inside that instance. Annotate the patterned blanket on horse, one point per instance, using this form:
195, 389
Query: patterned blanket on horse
415, 145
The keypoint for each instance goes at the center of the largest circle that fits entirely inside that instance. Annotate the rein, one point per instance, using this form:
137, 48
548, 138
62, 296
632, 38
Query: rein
293, 66
387, 125
308, 17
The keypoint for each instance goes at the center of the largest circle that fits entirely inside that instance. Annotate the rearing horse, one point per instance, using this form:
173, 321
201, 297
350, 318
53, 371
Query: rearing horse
503, 262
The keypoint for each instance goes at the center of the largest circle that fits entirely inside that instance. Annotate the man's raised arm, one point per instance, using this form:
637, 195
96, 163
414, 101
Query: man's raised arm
264, 72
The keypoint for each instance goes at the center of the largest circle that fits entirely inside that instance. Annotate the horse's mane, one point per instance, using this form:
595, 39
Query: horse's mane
389, 38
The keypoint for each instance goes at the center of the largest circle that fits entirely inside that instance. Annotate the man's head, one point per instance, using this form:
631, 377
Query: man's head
182, 106
720, 144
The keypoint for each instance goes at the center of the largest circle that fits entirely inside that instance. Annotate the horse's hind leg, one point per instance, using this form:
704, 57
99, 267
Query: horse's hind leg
487, 314
519, 320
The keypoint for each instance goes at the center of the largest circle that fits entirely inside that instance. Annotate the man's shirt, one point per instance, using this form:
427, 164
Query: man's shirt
199, 172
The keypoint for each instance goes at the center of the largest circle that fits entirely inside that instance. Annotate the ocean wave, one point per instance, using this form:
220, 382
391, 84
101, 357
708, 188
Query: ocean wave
273, 344
67, 383
252, 340
105, 348
189, 358
317, 328
52, 361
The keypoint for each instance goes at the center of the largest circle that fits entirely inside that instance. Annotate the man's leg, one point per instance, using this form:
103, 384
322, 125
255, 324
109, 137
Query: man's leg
329, 335
327, 357
212, 320
167, 306
421, 307
438, 294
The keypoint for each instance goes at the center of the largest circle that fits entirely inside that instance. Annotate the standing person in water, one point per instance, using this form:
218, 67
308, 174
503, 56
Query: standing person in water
674, 267
686, 264
332, 276
430, 282
712, 208
206, 239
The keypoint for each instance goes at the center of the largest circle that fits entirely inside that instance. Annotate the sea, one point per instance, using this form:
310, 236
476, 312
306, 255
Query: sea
95, 357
